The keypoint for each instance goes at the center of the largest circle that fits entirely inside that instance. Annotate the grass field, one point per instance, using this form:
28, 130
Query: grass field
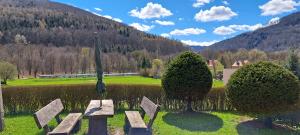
107, 80
215, 123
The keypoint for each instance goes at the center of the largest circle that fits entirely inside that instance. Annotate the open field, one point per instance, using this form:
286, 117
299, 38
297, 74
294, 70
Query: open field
215, 123
128, 80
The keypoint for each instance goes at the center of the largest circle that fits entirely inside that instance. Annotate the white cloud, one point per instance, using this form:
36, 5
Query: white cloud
225, 2
188, 31
115, 19
219, 13
275, 7
98, 9
118, 20
164, 22
151, 10
274, 21
180, 19
142, 27
196, 43
200, 3
246, 27
87, 9
228, 30
96, 14
108, 17
222, 30
165, 35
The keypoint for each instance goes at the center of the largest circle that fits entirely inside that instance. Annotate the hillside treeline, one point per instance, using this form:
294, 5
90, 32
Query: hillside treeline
58, 25
228, 58
33, 60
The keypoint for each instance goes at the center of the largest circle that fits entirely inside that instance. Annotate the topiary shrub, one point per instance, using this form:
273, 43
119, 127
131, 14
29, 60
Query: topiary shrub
262, 89
188, 78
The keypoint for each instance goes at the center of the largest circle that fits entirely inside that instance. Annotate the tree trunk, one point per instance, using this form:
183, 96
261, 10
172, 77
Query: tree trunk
189, 105
268, 122
4, 81
1, 111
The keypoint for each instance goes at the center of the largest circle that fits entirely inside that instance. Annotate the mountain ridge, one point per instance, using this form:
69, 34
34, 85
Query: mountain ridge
277, 37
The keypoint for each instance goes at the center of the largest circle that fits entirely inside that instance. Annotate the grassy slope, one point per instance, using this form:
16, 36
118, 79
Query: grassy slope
215, 123
107, 80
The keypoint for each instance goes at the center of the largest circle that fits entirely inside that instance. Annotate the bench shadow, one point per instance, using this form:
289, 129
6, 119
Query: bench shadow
92, 110
194, 121
256, 127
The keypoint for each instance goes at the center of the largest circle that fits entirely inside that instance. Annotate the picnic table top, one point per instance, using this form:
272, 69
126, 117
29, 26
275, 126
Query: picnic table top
93, 110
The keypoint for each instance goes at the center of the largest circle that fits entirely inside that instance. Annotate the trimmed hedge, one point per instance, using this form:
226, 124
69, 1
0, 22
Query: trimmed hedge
187, 78
263, 89
76, 97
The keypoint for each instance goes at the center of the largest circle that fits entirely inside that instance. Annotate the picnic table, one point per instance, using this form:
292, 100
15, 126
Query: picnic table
98, 116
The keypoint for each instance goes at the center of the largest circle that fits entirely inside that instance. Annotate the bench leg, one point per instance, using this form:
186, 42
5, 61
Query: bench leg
126, 126
46, 129
97, 126
139, 131
77, 126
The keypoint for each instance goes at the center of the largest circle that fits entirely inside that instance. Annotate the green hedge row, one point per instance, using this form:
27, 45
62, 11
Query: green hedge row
76, 97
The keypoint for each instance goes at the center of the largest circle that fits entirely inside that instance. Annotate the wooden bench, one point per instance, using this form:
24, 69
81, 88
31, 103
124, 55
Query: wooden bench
134, 121
69, 125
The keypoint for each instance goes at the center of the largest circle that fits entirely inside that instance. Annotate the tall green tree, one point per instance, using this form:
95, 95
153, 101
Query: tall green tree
293, 63
223, 62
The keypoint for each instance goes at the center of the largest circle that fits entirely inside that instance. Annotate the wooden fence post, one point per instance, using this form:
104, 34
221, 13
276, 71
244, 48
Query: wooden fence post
1, 111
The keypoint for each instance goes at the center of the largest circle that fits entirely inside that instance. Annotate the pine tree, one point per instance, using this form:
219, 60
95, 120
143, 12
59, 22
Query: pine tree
223, 62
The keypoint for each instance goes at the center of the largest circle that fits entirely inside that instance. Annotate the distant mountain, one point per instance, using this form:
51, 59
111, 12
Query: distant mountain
276, 37
197, 48
47, 23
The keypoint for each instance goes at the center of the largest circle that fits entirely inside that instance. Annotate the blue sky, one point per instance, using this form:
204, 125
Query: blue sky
194, 22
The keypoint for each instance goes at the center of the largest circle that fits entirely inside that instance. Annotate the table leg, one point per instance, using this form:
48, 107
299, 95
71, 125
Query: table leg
97, 126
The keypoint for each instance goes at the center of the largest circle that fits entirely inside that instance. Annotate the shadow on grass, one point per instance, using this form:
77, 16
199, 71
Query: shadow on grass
256, 127
194, 121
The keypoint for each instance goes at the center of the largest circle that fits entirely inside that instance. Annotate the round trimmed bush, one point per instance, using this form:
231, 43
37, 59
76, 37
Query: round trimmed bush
262, 89
187, 77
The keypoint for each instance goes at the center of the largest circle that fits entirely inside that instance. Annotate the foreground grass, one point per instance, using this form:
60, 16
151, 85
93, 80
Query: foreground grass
215, 123
108, 80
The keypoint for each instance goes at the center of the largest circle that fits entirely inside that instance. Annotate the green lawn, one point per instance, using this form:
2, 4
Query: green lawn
107, 80
215, 123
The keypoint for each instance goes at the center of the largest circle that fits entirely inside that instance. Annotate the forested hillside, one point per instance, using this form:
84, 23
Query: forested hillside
281, 36
41, 37
55, 24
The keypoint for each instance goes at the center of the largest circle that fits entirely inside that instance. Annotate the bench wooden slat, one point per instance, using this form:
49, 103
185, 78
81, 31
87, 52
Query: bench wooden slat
47, 113
66, 126
149, 107
135, 119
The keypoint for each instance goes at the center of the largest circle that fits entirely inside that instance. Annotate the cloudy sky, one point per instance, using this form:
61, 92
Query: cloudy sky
194, 22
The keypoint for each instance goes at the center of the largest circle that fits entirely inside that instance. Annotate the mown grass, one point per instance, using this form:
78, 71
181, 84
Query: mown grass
128, 80
167, 123
67, 81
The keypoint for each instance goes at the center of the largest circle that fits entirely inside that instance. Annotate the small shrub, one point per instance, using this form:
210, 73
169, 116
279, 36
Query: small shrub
7, 71
157, 68
262, 89
187, 78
